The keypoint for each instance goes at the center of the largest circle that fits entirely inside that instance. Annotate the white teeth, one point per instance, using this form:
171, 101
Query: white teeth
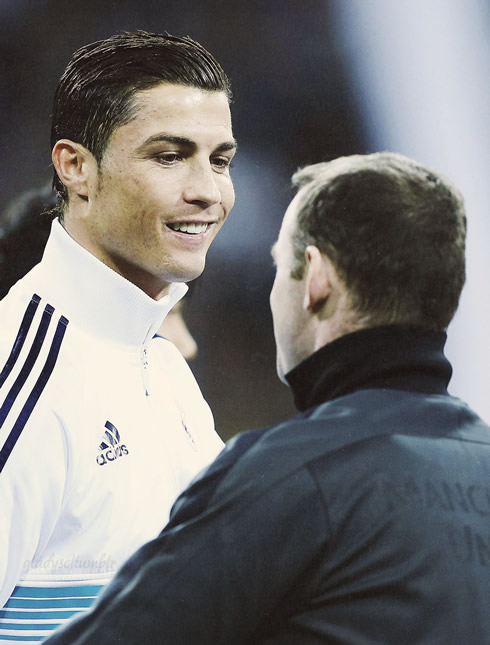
188, 227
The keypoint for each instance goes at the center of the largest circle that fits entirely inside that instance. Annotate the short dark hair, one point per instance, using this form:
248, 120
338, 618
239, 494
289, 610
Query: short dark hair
95, 93
395, 232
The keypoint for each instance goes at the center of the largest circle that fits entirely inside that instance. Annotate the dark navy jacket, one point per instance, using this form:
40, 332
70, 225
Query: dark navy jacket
363, 520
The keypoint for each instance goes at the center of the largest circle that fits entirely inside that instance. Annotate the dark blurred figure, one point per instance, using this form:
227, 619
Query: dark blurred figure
24, 230
175, 329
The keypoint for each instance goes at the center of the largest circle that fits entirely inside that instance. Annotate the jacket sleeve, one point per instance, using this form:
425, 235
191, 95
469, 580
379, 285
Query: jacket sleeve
32, 482
218, 571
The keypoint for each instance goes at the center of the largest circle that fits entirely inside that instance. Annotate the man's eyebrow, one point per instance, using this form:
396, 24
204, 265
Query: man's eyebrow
227, 145
169, 138
186, 142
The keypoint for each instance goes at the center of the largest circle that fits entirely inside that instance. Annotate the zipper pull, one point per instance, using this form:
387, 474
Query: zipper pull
144, 369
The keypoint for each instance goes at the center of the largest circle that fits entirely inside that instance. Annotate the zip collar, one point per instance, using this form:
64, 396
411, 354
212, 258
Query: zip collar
387, 357
95, 297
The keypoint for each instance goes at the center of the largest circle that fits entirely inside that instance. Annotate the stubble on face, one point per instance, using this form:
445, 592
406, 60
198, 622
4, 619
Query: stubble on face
169, 164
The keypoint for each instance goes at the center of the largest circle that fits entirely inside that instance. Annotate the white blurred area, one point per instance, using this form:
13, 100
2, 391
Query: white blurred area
421, 71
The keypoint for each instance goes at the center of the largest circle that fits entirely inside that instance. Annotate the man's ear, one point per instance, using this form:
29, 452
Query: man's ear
72, 163
318, 280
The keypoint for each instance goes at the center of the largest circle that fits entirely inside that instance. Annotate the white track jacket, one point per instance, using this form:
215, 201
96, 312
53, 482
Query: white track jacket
102, 425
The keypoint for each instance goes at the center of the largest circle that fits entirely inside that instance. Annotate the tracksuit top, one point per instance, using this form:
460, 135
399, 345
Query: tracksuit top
364, 520
102, 425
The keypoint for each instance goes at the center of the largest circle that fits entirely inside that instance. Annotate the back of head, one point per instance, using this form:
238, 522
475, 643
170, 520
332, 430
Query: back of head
95, 93
24, 229
395, 231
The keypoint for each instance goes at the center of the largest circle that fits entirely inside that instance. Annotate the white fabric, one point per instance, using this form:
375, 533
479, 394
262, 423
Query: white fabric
118, 431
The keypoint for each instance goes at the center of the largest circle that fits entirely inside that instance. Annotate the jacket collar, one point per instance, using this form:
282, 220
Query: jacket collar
392, 357
97, 298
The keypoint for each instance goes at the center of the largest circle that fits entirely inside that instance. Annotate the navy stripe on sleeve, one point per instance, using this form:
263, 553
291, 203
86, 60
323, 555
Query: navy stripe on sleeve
29, 363
40, 383
21, 336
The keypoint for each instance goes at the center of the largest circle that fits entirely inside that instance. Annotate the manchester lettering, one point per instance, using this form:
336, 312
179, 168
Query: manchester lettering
450, 497
468, 545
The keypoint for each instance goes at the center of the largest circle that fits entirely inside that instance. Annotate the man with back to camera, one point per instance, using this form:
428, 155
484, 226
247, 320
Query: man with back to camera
364, 519
102, 424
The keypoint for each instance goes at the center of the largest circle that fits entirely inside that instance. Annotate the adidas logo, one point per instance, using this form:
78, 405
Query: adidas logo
111, 447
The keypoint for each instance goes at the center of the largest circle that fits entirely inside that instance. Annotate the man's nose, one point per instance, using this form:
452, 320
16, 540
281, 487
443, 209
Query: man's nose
201, 185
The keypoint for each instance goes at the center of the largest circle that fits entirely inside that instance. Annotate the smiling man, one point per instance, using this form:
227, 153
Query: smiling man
102, 424
151, 208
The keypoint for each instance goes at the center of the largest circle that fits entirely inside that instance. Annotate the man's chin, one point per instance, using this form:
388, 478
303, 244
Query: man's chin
188, 273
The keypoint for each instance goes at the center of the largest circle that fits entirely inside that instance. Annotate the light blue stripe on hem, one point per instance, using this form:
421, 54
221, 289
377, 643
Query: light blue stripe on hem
49, 603
35, 615
56, 592
30, 639
33, 627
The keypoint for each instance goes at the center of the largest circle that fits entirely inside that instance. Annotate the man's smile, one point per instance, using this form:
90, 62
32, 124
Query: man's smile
191, 228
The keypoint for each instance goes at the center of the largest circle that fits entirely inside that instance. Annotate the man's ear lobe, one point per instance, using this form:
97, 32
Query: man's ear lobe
317, 280
72, 164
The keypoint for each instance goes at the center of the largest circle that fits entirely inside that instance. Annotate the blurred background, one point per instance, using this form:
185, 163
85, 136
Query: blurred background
312, 80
